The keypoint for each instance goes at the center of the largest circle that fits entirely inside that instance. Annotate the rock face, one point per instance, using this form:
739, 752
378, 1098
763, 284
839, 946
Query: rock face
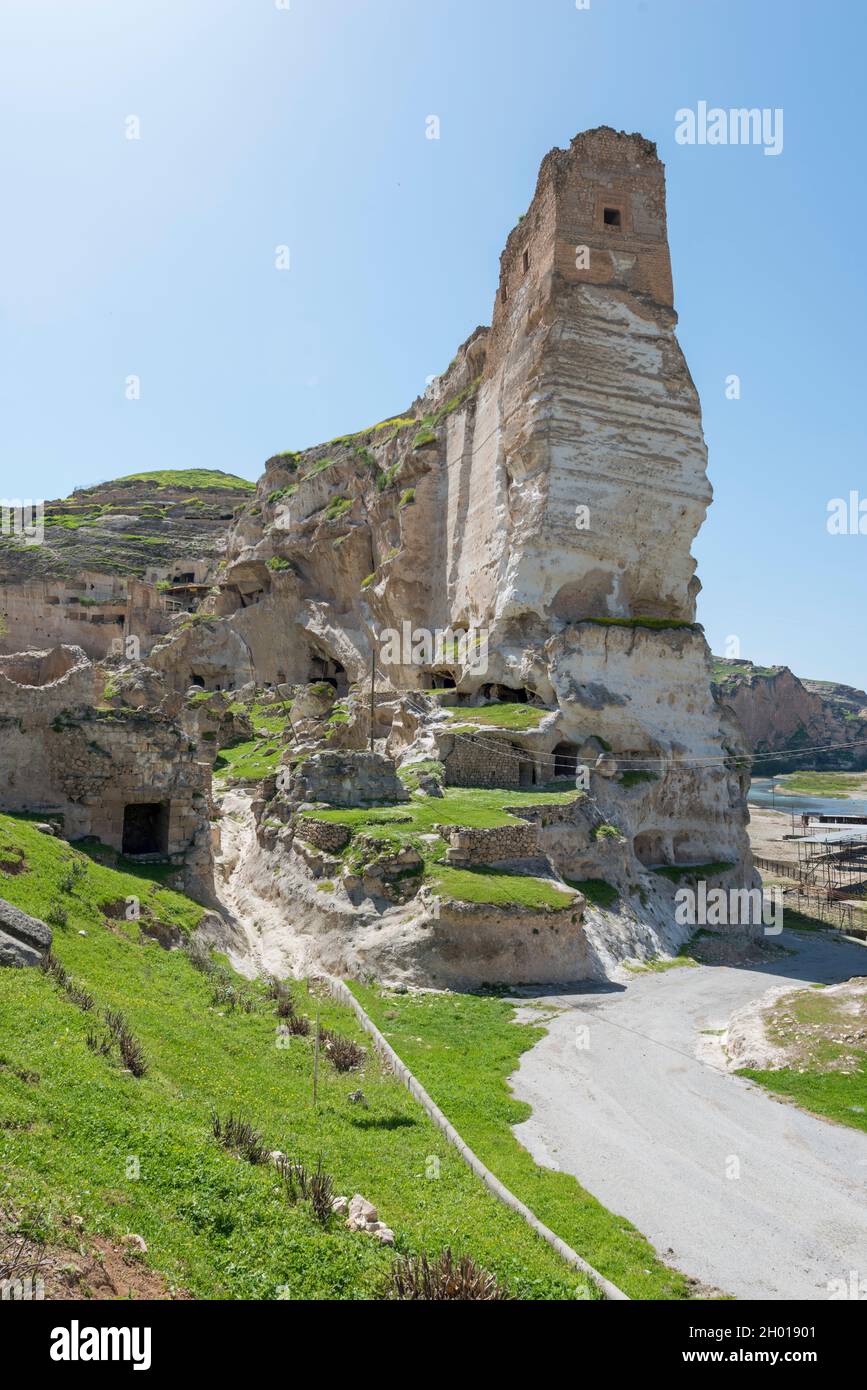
783, 714
125, 559
520, 537
136, 778
24, 940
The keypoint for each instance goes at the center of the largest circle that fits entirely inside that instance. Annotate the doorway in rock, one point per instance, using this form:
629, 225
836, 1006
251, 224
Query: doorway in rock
146, 828
565, 760
198, 681
323, 668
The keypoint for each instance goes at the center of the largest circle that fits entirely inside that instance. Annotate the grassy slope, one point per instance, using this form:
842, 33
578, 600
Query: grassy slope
190, 477
470, 806
498, 716
810, 1024
253, 759
463, 1048
213, 1223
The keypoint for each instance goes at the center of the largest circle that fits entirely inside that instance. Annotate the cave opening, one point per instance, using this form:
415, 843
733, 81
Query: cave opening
145, 828
565, 760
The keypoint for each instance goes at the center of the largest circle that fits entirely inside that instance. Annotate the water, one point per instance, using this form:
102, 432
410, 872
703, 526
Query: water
760, 795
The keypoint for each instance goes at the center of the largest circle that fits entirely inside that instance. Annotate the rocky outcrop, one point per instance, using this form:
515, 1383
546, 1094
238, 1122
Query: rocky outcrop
124, 559
24, 940
783, 715
135, 777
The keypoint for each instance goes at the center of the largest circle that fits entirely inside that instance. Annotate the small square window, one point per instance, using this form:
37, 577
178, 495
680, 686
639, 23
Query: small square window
611, 217
526, 261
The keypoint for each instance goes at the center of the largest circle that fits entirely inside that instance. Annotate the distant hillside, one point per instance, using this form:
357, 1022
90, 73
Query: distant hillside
123, 557
784, 714
127, 526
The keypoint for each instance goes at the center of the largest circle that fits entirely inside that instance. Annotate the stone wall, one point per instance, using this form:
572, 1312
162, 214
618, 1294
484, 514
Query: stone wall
324, 835
483, 761
348, 779
474, 845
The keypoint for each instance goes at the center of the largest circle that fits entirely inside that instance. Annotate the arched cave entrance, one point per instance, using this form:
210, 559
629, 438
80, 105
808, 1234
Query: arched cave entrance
565, 757
325, 668
649, 848
198, 681
442, 680
146, 828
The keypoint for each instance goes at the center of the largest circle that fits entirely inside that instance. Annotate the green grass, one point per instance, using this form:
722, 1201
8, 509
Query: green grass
468, 806
212, 1223
500, 716
827, 1071
676, 873
596, 891
192, 478
336, 508
832, 1095
823, 783
50, 863
463, 1048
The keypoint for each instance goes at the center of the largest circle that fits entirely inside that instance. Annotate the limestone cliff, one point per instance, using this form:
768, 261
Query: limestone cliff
546, 491
783, 714
535, 510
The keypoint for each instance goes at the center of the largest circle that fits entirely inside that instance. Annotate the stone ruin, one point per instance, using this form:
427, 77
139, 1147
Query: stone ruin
133, 778
545, 492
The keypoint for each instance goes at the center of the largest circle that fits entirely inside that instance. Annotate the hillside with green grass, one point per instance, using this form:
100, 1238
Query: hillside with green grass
126, 525
463, 1048
83, 1137
408, 823
205, 478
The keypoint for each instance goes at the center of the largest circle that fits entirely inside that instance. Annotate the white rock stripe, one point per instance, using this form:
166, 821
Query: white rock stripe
402, 1071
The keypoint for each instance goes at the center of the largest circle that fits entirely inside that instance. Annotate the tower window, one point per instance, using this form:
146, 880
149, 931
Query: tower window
526, 260
611, 217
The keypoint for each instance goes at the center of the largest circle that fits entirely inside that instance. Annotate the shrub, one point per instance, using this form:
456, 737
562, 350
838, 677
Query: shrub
132, 1054
314, 1186
57, 916
296, 1025
239, 1137
344, 1053
417, 1277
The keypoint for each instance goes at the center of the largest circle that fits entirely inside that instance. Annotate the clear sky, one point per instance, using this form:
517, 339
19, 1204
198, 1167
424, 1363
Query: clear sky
265, 126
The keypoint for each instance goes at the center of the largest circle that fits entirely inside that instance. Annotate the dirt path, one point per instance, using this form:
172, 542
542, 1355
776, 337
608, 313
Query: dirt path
746, 1193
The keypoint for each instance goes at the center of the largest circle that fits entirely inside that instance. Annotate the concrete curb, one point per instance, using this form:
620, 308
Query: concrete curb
342, 992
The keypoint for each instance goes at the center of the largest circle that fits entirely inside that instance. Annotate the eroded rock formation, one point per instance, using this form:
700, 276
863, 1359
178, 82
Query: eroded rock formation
784, 715
511, 558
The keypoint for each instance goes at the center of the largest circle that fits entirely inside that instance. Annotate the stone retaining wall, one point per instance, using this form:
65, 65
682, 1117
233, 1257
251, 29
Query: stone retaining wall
472, 845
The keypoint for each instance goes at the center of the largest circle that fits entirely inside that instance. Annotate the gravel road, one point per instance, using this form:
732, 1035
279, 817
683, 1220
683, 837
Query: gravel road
648, 1120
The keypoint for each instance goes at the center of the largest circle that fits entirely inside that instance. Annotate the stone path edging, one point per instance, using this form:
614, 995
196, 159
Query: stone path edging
342, 992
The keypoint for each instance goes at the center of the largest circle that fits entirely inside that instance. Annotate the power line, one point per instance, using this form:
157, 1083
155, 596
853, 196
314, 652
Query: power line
714, 761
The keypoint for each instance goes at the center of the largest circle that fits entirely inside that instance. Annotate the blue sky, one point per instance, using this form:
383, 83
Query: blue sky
262, 126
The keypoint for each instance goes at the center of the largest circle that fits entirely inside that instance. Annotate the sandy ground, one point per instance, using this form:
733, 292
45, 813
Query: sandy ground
767, 829
743, 1192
